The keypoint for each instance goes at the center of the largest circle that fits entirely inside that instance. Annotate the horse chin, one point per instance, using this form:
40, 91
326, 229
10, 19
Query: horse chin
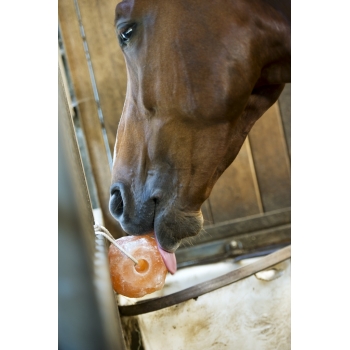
171, 226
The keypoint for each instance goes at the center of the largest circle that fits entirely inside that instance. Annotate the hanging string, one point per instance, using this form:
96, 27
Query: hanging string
100, 230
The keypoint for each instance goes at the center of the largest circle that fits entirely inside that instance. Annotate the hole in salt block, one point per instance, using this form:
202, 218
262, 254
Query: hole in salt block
142, 266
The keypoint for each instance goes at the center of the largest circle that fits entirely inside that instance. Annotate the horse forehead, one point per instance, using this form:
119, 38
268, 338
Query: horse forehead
129, 8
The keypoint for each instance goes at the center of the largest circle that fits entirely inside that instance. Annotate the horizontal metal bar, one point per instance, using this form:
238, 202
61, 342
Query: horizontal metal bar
155, 304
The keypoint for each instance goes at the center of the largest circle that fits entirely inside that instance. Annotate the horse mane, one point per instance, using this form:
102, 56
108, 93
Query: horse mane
282, 6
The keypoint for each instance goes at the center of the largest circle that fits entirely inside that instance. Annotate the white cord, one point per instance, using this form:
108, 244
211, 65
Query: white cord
100, 230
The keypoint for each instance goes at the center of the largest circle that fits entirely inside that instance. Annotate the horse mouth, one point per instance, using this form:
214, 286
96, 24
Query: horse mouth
169, 223
169, 258
170, 227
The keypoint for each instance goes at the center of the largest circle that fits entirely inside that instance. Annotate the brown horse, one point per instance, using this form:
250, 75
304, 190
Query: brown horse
199, 75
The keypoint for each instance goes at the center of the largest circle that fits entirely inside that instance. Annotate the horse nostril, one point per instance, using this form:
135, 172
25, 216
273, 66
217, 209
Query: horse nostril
117, 204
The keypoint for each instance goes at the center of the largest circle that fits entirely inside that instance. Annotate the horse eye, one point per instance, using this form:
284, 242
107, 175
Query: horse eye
126, 35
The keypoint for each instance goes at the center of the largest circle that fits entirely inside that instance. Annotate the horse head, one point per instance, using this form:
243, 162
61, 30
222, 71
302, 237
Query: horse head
199, 75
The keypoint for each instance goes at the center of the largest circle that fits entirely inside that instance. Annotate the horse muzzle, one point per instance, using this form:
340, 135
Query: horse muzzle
156, 212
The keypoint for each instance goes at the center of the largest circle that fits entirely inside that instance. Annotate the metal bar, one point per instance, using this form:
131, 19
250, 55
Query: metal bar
93, 84
206, 287
88, 317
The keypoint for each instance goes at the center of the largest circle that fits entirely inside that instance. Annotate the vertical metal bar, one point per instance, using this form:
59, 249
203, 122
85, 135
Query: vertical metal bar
88, 317
93, 83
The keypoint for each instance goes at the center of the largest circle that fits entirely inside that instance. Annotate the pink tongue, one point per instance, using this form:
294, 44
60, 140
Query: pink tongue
169, 259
